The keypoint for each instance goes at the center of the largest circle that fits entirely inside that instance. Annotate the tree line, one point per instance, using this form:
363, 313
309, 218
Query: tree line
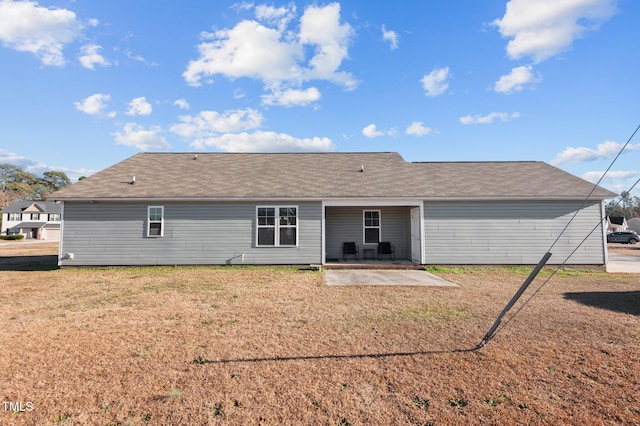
18, 184
626, 206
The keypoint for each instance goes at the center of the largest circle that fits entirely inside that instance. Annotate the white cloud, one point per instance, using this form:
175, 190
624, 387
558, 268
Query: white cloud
90, 57
320, 27
274, 53
182, 104
129, 54
516, 80
27, 27
543, 28
139, 106
292, 97
371, 131
238, 93
606, 149
417, 128
260, 141
142, 138
93, 104
32, 166
391, 37
435, 83
248, 50
15, 159
489, 118
211, 123
611, 175
280, 16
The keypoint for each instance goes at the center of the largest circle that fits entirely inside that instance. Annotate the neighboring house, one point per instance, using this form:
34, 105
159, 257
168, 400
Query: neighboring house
616, 224
300, 208
37, 220
634, 224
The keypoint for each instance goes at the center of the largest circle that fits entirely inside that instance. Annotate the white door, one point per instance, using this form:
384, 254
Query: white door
415, 235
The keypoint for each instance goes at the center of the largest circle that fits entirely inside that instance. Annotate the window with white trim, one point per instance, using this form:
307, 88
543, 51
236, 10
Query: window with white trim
277, 226
371, 221
155, 221
15, 217
35, 216
54, 217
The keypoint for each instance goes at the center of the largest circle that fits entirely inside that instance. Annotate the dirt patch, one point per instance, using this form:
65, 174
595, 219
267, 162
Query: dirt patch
201, 345
626, 249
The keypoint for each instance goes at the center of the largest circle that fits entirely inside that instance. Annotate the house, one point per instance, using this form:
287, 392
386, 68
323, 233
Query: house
634, 224
616, 224
300, 208
37, 220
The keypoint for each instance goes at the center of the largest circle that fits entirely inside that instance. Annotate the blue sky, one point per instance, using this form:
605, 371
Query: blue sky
87, 84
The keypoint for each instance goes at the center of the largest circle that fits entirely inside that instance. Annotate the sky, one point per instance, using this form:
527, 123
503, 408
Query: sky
87, 84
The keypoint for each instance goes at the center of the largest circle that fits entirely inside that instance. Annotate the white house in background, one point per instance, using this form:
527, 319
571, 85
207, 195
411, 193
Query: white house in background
305, 208
36, 220
616, 224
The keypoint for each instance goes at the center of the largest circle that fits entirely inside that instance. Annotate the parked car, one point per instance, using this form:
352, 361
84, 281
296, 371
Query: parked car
627, 237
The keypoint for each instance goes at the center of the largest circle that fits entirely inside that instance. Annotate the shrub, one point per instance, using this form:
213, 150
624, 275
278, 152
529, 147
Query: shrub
12, 237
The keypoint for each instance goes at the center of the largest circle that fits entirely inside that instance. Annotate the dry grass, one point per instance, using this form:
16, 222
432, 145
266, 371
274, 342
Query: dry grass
276, 346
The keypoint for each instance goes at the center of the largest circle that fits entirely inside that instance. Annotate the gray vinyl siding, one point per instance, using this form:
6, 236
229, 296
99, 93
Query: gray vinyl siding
194, 233
344, 224
511, 232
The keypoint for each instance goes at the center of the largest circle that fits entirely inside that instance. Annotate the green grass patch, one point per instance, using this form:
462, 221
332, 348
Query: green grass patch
449, 269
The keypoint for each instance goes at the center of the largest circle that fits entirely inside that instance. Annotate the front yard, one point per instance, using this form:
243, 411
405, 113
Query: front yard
201, 345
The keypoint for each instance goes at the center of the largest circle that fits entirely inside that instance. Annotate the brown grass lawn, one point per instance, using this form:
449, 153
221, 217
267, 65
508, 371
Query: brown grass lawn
203, 345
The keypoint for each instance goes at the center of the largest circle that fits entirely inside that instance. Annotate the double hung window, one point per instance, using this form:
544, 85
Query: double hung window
155, 221
371, 226
277, 226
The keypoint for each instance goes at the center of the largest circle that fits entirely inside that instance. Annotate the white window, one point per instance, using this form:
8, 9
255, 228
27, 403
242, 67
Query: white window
371, 219
277, 226
155, 221
15, 217
54, 217
35, 216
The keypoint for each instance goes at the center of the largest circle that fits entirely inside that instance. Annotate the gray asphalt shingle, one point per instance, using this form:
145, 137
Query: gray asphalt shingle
322, 176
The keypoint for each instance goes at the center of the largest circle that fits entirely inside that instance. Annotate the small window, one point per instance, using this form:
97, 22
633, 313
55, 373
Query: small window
35, 216
15, 217
280, 230
54, 217
155, 221
371, 226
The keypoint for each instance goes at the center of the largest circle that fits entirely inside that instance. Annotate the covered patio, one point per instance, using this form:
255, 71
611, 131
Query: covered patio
372, 234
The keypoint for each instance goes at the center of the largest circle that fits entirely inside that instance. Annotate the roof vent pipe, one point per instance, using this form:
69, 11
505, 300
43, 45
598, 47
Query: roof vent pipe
362, 169
133, 180
195, 157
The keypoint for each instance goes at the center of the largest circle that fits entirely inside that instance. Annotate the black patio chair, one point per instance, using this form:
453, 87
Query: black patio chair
349, 248
385, 248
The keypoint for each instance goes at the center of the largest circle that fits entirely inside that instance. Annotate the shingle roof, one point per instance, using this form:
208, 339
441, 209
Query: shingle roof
322, 176
43, 206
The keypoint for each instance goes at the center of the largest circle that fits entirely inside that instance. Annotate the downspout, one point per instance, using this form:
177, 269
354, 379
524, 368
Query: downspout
603, 231
423, 261
61, 233
323, 243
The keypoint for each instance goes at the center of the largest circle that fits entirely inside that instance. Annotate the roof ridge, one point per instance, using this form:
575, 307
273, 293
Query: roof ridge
271, 153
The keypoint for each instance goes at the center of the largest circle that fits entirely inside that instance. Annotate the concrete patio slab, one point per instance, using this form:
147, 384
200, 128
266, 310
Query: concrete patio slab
624, 264
337, 277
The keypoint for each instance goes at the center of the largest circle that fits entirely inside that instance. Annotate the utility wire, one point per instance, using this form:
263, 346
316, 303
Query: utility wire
595, 186
490, 336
